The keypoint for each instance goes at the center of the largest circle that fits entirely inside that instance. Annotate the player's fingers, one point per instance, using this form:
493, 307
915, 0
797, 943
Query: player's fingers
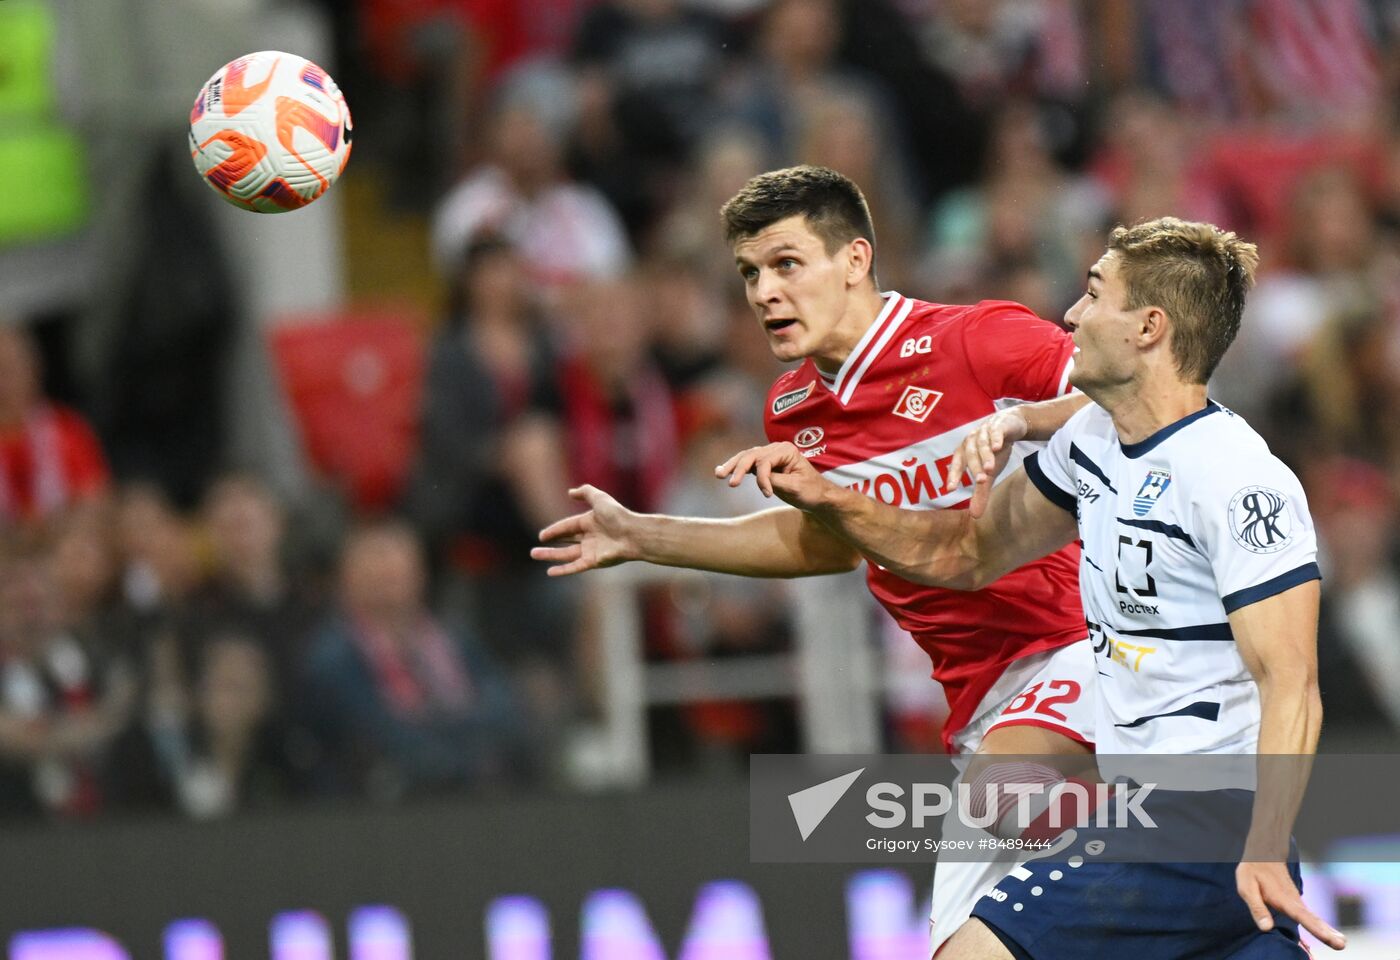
739, 466
727, 467
742, 468
564, 554
584, 492
563, 570
981, 496
996, 439
763, 476
736, 466
961, 458
1254, 900
1289, 901
1318, 927
567, 527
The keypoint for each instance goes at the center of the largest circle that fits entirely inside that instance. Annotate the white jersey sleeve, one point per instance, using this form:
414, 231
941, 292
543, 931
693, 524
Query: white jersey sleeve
1255, 527
1051, 469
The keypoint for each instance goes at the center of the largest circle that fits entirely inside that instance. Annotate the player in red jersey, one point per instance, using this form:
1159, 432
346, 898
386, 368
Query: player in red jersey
889, 392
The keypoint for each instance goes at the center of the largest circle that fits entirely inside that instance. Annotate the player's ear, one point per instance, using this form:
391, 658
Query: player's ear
859, 256
1153, 327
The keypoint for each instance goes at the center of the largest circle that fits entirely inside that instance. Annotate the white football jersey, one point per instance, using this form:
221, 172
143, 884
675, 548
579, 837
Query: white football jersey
1179, 531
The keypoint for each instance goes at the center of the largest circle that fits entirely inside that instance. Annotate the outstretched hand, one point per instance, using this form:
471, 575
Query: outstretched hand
984, 453
1265, 885
780, 470
597, 538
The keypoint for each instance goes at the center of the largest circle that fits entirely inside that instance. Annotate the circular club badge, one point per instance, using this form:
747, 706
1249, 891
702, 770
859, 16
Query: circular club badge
1260, 520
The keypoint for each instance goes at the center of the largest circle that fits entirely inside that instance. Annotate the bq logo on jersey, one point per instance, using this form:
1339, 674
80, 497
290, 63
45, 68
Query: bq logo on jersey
792, 398
916, 403
1153, 486
1259, 519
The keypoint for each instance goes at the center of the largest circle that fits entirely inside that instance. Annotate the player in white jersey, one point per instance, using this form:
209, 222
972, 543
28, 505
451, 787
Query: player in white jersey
1180, 530
1198, 575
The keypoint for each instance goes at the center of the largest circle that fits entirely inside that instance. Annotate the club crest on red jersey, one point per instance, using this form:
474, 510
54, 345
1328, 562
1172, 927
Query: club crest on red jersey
916, 403
792, 398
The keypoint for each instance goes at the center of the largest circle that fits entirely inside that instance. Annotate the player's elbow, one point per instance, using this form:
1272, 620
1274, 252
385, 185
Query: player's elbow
950, 573
833, 563
1295, 685
970, 566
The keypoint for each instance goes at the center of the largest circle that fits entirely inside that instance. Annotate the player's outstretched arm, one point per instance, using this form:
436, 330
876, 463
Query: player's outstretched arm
985, 451
771, 543
943, 548
1277, 638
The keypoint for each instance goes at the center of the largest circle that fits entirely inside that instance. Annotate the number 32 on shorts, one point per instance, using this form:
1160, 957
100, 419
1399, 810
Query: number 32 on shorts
1043, 697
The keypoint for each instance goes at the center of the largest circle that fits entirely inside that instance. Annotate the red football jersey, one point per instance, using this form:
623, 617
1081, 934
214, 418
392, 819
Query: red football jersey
887, 425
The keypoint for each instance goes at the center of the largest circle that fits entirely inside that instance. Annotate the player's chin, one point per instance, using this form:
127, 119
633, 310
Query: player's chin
784, 349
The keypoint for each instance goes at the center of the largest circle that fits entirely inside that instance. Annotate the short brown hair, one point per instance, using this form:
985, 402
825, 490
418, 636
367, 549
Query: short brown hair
1197, 273
832, 203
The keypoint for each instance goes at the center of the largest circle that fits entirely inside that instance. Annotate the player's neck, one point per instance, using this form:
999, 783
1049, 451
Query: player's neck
861, 312
1148, 408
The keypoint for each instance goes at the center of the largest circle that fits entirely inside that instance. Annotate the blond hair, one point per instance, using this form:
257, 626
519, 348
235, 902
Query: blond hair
1198, 274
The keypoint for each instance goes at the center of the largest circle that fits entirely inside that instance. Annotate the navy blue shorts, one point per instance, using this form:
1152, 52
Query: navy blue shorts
1078, 903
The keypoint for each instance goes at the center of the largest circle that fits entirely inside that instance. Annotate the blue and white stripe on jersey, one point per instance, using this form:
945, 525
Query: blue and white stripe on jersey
1179, 530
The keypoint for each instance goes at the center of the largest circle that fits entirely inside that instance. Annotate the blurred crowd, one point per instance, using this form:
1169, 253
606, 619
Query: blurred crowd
182, 637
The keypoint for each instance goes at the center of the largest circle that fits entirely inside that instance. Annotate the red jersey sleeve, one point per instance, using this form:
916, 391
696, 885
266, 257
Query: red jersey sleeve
1015, 354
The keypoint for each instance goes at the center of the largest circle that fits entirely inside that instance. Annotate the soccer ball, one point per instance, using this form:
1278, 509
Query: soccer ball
270, 132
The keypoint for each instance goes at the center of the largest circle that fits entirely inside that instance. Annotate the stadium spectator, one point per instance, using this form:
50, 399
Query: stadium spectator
727, 616
1032, 48
796, 67
252, 594
49, 457
1027, 214
229, 752
648, 71
248, 588
724, 159
1319, 295
405, 704
160, 553
619, 415
565, 231
86, 566
1149, 165
418, 68
490, 455
1358, 656
842, 131
160, 568
64, 700
687, 338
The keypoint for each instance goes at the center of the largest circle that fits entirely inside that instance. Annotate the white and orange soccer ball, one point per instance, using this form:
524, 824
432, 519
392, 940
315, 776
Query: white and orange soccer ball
270, 132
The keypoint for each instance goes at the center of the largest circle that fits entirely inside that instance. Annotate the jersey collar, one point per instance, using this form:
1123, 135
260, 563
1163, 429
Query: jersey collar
1134, 450
870, 345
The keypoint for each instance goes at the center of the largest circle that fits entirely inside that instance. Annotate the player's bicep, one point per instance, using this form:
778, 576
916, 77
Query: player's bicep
1278, 635
1021, 524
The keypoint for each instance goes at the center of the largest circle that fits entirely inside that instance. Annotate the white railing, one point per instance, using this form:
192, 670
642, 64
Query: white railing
831, 673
